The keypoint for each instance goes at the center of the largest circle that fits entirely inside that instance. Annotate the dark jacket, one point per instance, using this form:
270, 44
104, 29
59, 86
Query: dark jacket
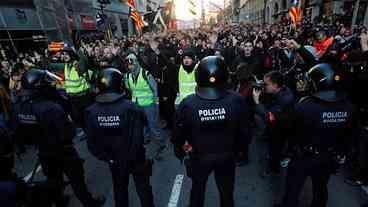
44, 123
323, 125
218, 128
114, 127
246, 66
277, 113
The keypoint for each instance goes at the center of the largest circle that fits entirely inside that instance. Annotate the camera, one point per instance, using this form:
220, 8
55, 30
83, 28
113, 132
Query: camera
258, 84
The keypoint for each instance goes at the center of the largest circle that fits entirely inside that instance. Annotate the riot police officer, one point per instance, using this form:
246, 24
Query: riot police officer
215, 123
114, 127
7, 178
43, 122
323, 123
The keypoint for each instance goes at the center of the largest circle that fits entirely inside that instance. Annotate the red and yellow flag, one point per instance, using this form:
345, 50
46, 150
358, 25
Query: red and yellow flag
131, 4
295, 13
134, 14
137, 19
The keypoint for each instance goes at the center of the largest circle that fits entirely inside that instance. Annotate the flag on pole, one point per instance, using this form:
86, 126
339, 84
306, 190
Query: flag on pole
192, 3
134, 14
139, 23
192, 7
193, 12
131, 4
108, 35
295, 13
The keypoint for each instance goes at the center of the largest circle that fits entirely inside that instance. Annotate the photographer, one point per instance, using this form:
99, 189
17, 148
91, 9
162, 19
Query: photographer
275, 115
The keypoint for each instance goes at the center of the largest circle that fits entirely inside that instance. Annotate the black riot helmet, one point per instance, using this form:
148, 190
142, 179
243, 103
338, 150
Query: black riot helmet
323, 79
38, 79
109, 80
211, 76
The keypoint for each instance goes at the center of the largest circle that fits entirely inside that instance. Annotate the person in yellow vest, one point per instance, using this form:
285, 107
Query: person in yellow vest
187, 83
77, 84
143, 90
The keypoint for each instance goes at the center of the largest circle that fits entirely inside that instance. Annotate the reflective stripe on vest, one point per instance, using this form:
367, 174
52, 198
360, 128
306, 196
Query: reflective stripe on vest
74, 83
141, 91
187, 84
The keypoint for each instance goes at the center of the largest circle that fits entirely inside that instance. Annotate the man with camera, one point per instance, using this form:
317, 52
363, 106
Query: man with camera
275, 115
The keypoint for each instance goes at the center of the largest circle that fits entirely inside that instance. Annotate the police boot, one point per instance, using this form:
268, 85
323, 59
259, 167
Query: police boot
100, 201
64, 202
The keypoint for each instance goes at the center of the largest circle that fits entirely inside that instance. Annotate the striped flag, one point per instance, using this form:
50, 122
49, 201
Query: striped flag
137, 19
134, 14
131, 4
108, 35
295, 13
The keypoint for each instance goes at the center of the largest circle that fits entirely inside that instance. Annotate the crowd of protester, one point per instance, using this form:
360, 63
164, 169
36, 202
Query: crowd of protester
250, 51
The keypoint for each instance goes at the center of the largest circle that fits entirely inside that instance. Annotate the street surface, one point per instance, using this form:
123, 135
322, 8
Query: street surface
172, 188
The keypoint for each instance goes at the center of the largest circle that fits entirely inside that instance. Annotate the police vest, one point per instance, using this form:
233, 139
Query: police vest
187, 84
142, 93
74, 83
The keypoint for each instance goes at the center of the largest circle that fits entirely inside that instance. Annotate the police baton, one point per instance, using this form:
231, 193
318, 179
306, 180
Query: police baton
187, 161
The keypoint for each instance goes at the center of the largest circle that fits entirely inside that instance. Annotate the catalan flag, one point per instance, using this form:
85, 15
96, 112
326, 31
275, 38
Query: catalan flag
131, 4
295, 13
134, 14
56, 46
139, 24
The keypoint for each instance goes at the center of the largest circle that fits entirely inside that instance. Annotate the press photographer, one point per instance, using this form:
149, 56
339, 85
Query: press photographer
275, 115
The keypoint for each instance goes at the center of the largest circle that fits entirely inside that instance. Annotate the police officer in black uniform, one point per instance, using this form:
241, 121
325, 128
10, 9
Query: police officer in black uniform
42, 121
7, 177
114, 127
323, 124
215, 123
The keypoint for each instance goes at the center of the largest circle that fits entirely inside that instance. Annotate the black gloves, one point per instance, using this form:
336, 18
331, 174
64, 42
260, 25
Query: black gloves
179, 153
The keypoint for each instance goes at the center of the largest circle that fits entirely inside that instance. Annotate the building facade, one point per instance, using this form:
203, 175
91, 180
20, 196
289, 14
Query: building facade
352, 12
58, 20
252, 11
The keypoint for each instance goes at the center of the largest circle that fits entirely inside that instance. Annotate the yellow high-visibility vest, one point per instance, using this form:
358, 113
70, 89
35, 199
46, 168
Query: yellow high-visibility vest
142, 93
74, 83
187, 84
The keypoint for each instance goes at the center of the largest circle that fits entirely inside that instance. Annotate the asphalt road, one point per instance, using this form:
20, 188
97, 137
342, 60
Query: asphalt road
172, 188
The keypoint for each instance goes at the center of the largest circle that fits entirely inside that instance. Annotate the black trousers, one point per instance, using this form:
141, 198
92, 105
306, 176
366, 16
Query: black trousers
120, 177
224, 171
79, 104
276, 148
319, 168
55, 168
167, 109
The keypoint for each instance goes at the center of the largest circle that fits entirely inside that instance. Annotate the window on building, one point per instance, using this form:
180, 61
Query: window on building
361, 12
284, 4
